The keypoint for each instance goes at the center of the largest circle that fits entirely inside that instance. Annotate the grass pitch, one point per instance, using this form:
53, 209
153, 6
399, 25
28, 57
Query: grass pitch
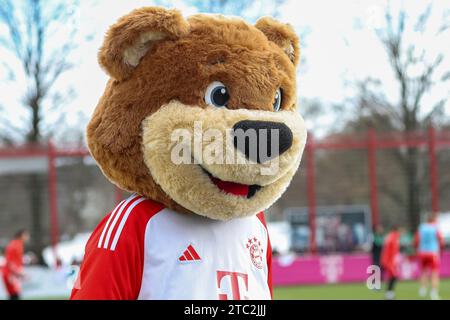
405, 290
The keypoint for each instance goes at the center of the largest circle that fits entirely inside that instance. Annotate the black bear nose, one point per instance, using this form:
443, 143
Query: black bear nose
257, 139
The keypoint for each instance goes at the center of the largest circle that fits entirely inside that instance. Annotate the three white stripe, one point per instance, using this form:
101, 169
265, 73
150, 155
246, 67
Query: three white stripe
122, 222
100, 241
114, 217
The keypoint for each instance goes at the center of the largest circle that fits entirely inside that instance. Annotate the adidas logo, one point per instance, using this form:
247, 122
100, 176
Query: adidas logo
189, 255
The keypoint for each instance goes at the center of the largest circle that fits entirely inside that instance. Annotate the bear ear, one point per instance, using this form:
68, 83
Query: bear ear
283, 35
129, 39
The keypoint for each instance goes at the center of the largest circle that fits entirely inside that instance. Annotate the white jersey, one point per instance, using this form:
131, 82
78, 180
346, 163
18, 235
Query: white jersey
145, 251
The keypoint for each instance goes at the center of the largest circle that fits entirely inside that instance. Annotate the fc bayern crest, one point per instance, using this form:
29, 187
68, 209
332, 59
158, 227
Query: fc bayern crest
256, 252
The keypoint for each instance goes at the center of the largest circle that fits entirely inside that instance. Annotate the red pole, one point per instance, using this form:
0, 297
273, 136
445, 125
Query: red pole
372, 159
310, 177
433, 169
53, 196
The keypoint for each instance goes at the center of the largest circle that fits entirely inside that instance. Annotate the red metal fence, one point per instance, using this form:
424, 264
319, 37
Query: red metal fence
51, 153
371, 142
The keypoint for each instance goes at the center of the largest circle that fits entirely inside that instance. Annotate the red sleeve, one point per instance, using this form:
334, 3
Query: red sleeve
114, 255
387, 253
268, 253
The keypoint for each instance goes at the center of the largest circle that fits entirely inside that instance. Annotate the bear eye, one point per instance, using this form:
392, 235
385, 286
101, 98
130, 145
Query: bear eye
217, 94
277, 102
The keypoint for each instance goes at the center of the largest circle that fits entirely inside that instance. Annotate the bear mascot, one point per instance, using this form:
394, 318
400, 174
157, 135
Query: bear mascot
198, 121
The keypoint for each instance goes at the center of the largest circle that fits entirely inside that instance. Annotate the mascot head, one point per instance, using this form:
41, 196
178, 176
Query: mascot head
199, 113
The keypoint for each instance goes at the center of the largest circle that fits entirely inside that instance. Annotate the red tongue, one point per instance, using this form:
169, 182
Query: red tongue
231, 187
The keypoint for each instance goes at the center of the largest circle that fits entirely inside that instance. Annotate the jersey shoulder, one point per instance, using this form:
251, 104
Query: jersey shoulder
125, 224
113, 262
262, 219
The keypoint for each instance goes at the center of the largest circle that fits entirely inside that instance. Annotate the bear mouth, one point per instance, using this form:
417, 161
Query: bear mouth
234, 188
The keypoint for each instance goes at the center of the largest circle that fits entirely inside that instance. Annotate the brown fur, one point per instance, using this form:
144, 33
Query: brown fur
282, 34
127, 30
252, 61
190, 187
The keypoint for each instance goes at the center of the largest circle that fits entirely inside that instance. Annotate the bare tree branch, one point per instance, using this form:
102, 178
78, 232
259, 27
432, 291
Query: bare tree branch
29, 25
421, 23
416, 72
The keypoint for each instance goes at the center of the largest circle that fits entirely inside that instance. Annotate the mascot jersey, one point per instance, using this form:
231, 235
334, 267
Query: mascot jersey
142, 250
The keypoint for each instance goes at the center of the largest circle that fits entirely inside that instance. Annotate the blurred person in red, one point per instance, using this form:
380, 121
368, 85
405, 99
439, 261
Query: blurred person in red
390, 260
429, 243
13, 270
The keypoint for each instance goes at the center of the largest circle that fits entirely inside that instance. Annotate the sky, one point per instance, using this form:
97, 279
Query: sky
338, 47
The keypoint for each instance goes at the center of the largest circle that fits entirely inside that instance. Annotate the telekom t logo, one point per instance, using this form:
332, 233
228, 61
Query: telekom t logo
234, 279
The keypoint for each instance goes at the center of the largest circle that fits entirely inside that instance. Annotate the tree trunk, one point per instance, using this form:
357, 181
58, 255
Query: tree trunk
37, 234
35, 187
413, 189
